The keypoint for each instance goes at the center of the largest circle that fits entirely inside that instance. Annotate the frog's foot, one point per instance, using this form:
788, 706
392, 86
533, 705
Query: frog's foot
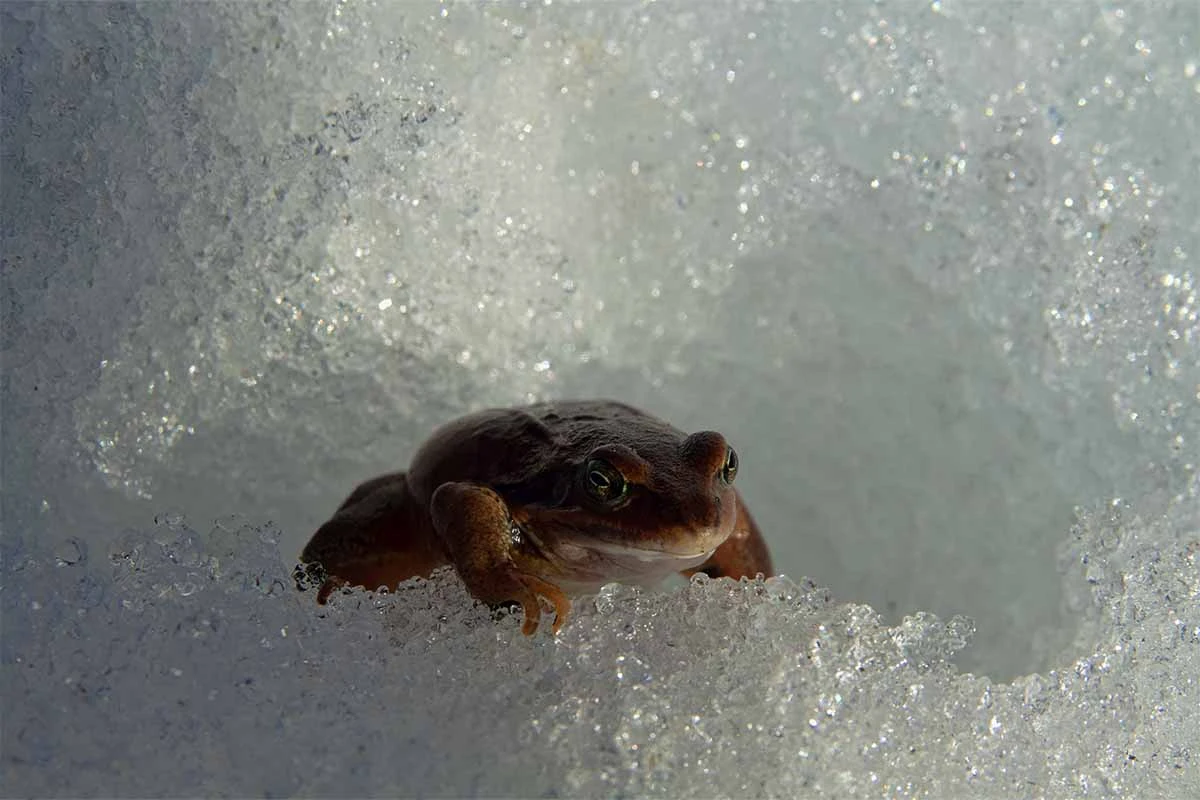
524, 590
475, 524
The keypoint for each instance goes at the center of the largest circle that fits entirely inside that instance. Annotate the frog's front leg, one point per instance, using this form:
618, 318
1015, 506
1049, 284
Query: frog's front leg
474, 523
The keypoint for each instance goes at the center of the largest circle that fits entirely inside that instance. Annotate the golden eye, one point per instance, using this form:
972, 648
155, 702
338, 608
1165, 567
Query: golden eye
729, 470
604, 482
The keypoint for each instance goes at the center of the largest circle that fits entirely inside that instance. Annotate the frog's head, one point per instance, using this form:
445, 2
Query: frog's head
648, 505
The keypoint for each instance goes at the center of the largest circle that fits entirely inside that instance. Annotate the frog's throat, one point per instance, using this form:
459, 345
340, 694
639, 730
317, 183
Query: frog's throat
649, 555
586, 563
582, 566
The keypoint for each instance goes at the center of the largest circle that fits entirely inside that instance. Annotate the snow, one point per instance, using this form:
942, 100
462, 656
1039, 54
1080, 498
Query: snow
930, 269
171, 668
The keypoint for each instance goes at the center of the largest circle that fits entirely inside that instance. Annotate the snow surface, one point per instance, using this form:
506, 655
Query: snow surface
931, 268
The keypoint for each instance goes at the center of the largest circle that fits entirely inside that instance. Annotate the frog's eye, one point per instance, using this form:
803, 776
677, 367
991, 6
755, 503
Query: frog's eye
729, 470
604, 482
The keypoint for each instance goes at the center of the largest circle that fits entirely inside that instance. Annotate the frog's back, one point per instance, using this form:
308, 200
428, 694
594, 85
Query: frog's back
507, 446
583, 425
568, 412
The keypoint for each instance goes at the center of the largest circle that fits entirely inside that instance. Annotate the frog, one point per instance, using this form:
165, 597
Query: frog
550, 500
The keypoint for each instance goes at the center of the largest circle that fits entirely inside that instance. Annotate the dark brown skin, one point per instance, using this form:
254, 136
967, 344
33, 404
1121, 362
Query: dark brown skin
547, 500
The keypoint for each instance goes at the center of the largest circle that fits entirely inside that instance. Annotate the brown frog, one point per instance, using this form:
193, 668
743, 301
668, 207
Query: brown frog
550, 499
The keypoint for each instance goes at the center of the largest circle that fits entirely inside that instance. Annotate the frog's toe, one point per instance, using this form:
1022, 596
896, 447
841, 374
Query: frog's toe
526, 590
560, 601
533, 615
